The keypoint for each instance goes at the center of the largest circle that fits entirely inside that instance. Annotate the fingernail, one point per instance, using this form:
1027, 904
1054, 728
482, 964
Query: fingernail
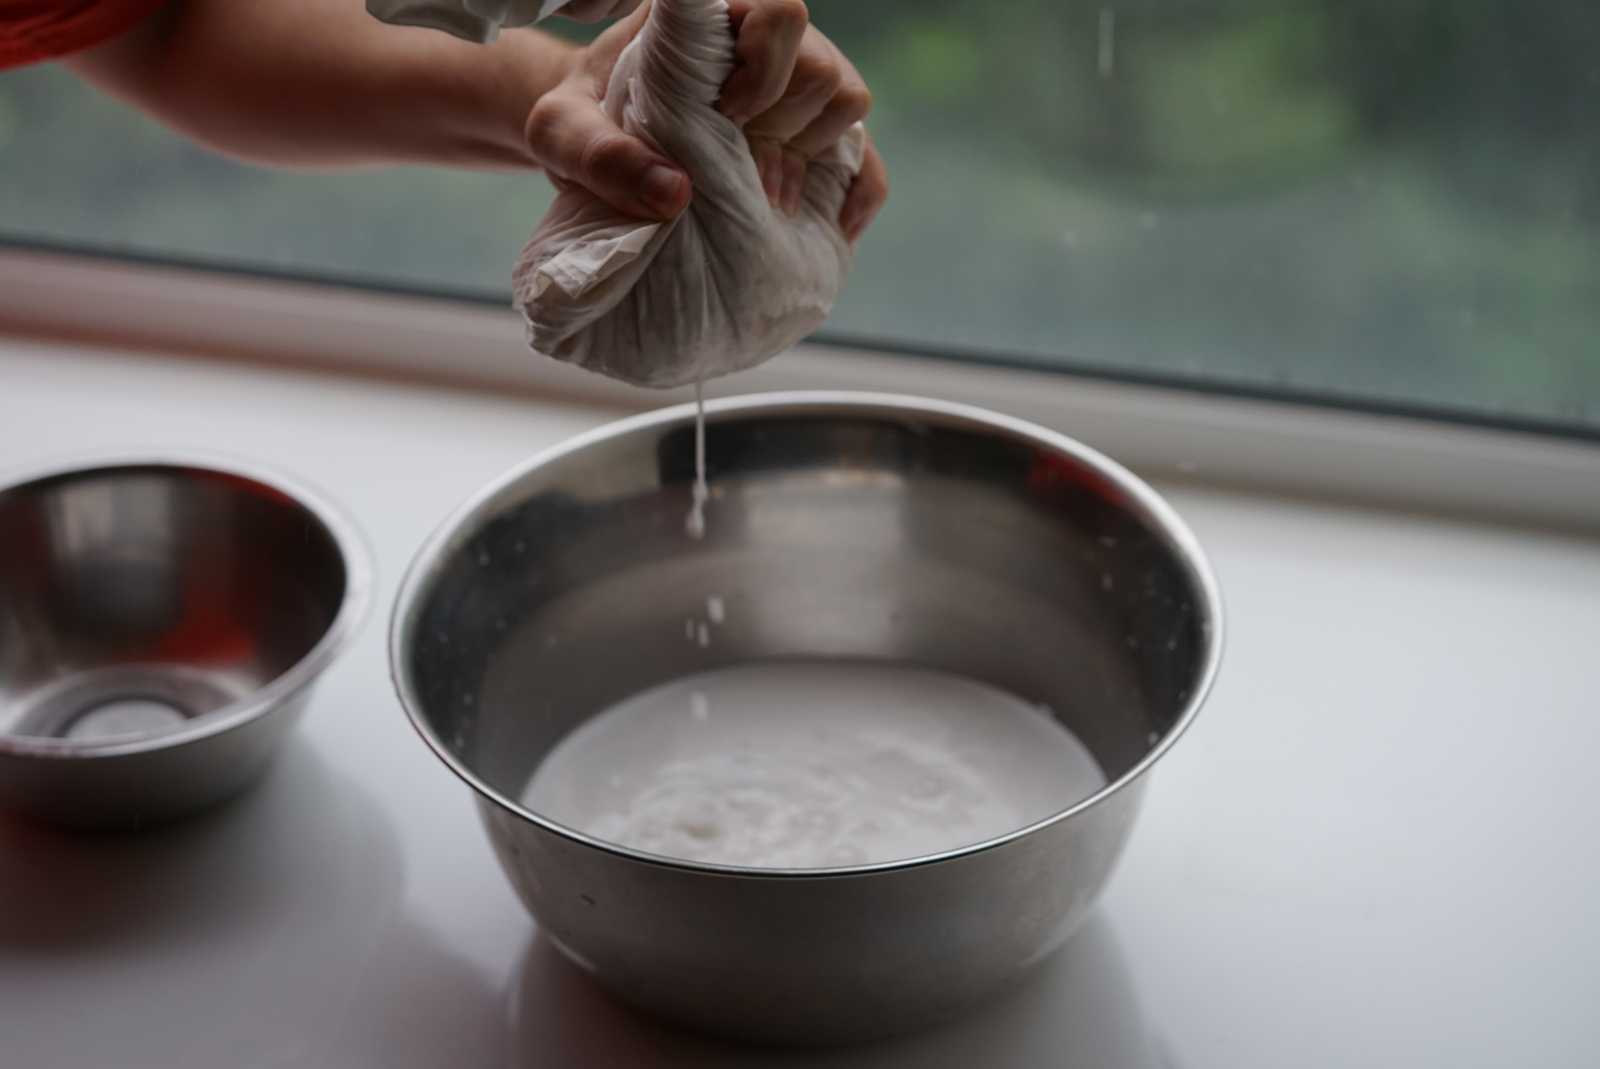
794, 183
851, 222
771, 179
663, 189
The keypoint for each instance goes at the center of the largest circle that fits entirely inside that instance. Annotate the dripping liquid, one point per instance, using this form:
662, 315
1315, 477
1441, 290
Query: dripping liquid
695, 525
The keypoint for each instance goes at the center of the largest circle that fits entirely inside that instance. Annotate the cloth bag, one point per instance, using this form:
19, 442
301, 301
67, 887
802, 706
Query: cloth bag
481, 20
728, 284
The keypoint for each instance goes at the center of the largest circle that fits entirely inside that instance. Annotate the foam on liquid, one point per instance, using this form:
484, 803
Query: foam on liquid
812, 765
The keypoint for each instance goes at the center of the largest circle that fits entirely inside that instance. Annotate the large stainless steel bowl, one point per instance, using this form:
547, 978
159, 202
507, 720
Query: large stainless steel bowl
162, 620
840, 526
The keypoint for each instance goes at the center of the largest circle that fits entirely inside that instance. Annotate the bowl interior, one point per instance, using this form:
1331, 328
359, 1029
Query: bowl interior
925, 536
136, 598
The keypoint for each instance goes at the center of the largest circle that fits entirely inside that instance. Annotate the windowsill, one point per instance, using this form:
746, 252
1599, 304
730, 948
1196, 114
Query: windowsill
1176, 435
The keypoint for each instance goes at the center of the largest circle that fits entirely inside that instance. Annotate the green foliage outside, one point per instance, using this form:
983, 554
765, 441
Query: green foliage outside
1393, 200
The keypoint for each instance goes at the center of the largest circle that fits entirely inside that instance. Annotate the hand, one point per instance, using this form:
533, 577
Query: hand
793, 92
577, 144
796, 94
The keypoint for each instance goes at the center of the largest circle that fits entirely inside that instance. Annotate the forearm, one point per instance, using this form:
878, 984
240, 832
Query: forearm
321, 83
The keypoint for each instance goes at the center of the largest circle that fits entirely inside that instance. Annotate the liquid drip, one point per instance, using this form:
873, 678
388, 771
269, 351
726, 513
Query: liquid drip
695, 525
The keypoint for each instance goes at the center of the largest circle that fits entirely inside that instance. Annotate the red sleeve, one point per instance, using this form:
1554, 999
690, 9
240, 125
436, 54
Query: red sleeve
34, 30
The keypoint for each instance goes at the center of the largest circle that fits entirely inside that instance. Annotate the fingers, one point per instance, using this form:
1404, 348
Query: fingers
848, 105
769, 165
815, 79
793, 91
574, 141
795, 94
866, 196
794, 182
769, 33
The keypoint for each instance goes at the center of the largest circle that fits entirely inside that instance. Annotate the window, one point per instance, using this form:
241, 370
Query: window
1391, 202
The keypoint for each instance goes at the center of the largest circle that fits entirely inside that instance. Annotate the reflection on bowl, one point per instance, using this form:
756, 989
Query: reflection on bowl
1077, 1010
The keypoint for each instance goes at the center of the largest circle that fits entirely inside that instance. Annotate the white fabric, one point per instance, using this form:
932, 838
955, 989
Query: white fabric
732, 281
481, 20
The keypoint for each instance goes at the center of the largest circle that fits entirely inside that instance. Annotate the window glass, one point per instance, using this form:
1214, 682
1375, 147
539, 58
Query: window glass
1381, 201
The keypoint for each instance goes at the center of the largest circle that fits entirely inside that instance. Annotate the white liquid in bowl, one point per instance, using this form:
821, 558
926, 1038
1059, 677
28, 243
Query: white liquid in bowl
812, 765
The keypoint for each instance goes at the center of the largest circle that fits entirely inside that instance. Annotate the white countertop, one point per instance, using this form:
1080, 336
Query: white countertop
1375, 846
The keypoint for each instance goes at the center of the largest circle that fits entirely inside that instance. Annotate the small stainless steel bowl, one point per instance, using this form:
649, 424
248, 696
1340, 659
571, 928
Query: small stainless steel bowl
162, 620
839, 526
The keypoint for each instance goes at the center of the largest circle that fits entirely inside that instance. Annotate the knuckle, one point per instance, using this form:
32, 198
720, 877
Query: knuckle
853, 101
606, 157
788, 12
815, 77
545, 121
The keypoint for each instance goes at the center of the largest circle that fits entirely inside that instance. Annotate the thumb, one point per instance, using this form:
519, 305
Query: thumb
574, 141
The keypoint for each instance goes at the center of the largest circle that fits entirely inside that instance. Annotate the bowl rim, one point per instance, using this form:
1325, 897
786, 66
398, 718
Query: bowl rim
454, 528
354, 607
